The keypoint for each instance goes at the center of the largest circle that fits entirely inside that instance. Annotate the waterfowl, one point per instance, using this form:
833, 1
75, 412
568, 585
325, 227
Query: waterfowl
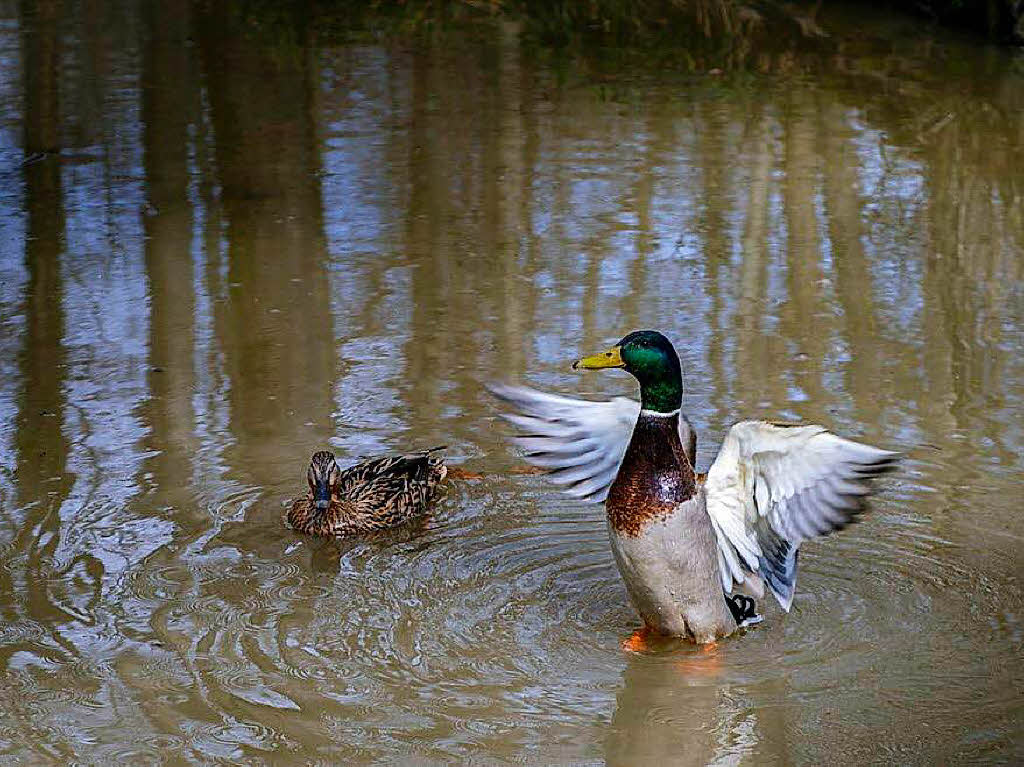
372, 495
684, 543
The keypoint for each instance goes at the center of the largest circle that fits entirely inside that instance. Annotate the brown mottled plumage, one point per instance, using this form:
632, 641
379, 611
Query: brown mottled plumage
372, 495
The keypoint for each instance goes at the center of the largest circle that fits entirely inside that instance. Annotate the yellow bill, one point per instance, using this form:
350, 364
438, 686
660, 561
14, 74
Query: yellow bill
609, 359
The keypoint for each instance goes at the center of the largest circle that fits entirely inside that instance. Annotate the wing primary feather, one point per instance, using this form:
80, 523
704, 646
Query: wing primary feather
580, 442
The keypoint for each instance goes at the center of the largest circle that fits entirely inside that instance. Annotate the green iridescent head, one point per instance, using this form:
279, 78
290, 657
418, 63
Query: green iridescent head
650, 358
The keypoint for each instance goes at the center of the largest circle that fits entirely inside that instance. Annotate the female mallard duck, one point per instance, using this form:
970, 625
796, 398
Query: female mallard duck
372, 495
683, 543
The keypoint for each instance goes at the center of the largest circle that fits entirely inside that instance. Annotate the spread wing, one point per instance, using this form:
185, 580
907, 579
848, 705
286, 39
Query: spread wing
580, 442
772, 487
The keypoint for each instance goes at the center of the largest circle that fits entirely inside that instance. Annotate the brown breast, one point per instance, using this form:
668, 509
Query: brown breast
655, 476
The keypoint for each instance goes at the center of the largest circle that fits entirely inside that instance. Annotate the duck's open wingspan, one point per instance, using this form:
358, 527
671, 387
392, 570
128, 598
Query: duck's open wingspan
772, 487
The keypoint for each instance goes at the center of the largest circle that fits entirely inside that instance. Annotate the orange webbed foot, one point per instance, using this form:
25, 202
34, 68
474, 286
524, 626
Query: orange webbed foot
637, 641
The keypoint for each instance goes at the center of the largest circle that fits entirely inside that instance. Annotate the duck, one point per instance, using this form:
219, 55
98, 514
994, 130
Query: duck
375, 494
694, 551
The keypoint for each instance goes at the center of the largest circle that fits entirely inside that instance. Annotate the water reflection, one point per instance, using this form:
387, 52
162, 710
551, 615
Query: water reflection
170, 109
683, 705
230, 238
275, 323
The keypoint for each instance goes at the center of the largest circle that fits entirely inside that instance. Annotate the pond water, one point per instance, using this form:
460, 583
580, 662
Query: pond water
229, 240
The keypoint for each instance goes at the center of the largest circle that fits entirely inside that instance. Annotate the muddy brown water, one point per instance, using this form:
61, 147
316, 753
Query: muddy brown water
222, 248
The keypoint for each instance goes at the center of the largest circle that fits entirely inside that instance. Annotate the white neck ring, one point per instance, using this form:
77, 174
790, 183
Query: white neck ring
657, 414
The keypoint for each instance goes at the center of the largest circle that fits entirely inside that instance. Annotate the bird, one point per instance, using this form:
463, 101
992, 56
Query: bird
374, 494
691, 548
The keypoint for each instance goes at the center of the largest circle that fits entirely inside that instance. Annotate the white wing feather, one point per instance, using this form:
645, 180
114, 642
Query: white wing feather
580, 442
772, 487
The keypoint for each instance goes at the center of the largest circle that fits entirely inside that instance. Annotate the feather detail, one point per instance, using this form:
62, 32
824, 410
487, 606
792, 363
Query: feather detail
372, 495
773, 487
581, 443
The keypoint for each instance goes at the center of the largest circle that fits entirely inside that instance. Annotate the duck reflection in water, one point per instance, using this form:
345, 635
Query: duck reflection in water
674, 708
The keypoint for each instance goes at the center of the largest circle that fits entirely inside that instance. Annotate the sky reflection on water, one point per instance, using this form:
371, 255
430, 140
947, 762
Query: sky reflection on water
222, 248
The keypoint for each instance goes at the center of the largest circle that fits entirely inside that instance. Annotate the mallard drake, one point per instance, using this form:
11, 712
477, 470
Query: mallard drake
372, 495
685, 543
